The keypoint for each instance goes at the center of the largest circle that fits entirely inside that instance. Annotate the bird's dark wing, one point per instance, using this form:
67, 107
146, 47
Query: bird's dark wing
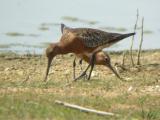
94, 37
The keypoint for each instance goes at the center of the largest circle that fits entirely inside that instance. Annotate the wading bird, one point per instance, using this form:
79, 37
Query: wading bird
84, 41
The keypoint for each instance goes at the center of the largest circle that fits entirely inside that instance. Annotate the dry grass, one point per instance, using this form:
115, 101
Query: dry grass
23, 94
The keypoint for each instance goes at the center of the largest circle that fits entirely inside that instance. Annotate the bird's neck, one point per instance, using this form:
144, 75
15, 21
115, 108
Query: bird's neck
61, 49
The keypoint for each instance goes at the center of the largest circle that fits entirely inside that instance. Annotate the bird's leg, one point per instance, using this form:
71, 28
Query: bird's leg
84, 73
74, 65
92, 66
80, 62
93, 61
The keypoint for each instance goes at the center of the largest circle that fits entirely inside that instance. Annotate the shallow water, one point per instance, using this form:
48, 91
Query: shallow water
26, 24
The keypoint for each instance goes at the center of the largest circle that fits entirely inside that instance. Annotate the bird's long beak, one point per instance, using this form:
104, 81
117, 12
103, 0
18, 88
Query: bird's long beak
48, 67
113, 70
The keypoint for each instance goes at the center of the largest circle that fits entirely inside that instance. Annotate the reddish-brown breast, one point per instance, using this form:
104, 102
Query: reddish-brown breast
70, 43
100, 58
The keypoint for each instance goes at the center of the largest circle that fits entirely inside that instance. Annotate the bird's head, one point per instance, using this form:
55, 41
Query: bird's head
108, 64
107, 59
51, 51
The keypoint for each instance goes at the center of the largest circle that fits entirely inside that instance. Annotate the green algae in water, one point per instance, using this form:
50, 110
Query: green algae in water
49, 24
75, 19
69, 18
17, 34
120, 29
148, 32
43, 28
41, 45
4, 46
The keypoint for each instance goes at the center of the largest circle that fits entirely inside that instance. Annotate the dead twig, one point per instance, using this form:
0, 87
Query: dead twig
131, 48
123, 59
83, 108
140, 45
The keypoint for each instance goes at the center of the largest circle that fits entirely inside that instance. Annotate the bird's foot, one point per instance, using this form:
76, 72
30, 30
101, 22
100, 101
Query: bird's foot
85, 77
82, 75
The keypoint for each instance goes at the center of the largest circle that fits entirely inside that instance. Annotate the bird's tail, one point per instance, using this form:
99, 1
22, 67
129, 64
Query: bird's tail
122, 36
119, 37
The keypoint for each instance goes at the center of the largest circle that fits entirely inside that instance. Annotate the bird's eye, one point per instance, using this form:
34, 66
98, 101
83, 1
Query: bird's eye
107, 59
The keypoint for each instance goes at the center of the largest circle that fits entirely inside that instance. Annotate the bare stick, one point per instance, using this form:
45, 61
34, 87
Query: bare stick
123, 59
135, 27
83, 108
140, 45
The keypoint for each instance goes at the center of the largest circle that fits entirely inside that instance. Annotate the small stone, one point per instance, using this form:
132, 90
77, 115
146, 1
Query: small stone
67, 72
52, 72
19, 72
130, 88
6, 69
94, 74
134, 69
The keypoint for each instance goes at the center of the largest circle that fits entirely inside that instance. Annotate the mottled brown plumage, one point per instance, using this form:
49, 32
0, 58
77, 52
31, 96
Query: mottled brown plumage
100, 58
94, 37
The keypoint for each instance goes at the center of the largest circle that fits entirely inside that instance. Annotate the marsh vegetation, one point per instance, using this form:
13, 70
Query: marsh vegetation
24, 95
